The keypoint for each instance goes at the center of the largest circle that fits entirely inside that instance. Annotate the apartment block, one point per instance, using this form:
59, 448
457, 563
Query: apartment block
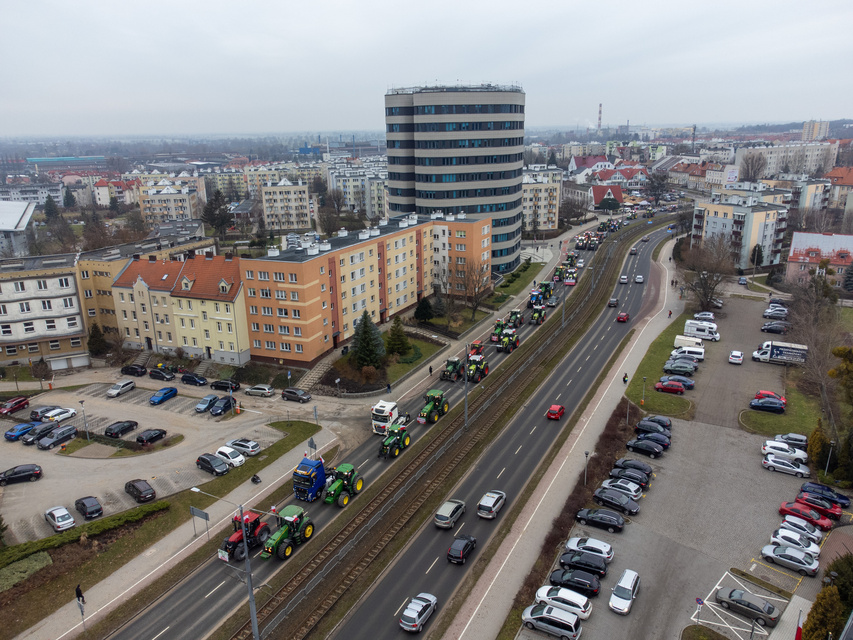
803, 157
459, 245
15, 217
541, 197
815, 130
363, 189
34, 193
231, 182
168, 203
286, 206
259, 176
124, 191
808, 250
184, 178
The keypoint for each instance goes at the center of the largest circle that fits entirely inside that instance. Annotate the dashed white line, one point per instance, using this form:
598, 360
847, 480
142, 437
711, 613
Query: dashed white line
404, 601
588, 357
558, 396
569, 383
427, 571
363, 463
504, 469
532, 430
519, 449
215, 588
459, 529
161, 633
594, 348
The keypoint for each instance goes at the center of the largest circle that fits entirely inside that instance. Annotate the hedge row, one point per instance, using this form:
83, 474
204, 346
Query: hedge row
91, 529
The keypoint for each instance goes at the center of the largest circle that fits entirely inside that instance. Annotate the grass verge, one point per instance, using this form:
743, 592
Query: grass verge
19, 372
757, 288
761, 583
847, 318
801, 414
399, 369
520, 284
462, 323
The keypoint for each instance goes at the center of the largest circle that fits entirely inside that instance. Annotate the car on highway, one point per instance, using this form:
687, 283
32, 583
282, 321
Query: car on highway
59, 519
633, 475
685, 382
585, 562
223, 405
39, 431
767, 404
670, 386
150, 436
118, 429
21, 473
581, 582
295, 395
613, 302
648, 426
162, 395
736, 357
448, 514
552, 620
462, 547
679, 367
787, 538
775, 463
791, 558
658, 438
417, 611
782, 450
772, 394
60, 434
245, 446
828, 493
214, 465
555, 412
14, 404
646, 447
225, 385
491, 503
622, 317
704, 316
89, 507
591, 545
625, 592
806, 513
262, 390
231, 457
601, 518
20, 430
551, 302
644, 239
194, 379
615, 500
206, 403
631, 463
748, 605
804, 528
633, 251
161, 374
58, 415
638, 279
134, 370
140, 490
564, 599
630, 489
623, 279
823, 506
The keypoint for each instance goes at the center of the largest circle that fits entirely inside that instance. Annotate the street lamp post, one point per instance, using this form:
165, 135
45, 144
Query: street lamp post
643, 401
465, 373
831, 444
585, 465
253, 614
85, 422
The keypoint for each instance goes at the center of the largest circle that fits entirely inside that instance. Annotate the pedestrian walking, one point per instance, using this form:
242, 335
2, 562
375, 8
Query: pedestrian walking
388, 388
625, 379
80, 597
430, 371
670, 314
670, 258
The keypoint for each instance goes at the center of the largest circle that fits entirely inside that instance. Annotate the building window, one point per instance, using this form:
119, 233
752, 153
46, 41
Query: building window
91, 313
68, 303
2, 309
294, 295
285, 346
256, 326
64, 283
296, 313
169, 336
25, 307
292, 277
206, 334
299, 348
145, 325
297, 331
253, 310
84, 275
251, 293
229, 328
268, 328
20, 286
204, 315
121, 297
11, 350
29, 327
33, 347
76, 342
269, 344
265, 293
41, 285
256, 344
87, 293
250, 275
284, 330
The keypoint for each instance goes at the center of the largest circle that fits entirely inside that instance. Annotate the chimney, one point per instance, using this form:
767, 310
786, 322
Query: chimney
152, 259
208, 255
228, 256
136, 257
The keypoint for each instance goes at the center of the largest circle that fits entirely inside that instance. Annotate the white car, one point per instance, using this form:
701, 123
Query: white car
803, 527
592, 546
230, 456
491, 503
782, 450
630, 489
245, 446
775, 463
639, 279
624, 592
704, 316
58, 415
736, 357
623, 279
417, 612
580, 264
59, 519
787, 538
565, 599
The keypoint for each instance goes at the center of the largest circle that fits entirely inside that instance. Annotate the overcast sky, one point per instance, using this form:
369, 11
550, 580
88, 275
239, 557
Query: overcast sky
114, 68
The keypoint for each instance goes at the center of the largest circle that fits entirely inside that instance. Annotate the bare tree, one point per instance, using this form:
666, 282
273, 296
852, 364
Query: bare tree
571, 210
752, 167
478, 285
704, 268
442, 283
328, 219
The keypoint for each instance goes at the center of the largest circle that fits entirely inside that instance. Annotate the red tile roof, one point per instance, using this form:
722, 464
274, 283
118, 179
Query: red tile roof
206, 274
841, 175
599, 192
158, 275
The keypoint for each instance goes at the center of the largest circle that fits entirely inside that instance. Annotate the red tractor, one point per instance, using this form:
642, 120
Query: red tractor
477, 348
257, 532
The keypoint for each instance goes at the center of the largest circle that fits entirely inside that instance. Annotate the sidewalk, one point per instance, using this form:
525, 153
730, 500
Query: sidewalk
138, 573
484, 611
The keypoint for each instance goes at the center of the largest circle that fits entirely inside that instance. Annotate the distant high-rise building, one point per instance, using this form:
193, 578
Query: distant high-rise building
459, 150
815, 130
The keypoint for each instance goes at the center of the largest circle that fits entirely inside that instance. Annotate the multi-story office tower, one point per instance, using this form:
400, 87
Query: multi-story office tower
459, 150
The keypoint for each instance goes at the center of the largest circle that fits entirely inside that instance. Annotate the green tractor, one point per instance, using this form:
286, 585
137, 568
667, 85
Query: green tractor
547, 289
509, 341
436, 405
558, 273
294, 527
499, 327
396, 440
478, 368
538, 316
453, 370
345, 482
516, 318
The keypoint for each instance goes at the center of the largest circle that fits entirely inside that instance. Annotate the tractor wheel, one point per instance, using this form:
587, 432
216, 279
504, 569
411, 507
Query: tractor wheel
343, 499
358, 485
307, 530
285, 549
478, 378
263, 535
395, 451
323, 494
240, 553
445, 407
433, 416
407, 440
486, 370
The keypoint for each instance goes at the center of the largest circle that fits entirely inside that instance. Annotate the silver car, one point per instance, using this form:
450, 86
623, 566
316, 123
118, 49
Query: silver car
245, 446
803, 527
448, 514
417, 612
263, 390
787, 538
59, 519
773, 462
630, 489
625, 592
782, 450
794, 559
796, 440
705, 316
592, 546
749, 605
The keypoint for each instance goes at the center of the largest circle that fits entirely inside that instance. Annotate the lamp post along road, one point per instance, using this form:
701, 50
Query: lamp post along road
85, 422
585, 465
831, 445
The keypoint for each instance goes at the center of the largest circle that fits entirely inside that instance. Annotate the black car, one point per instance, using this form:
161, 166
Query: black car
646, 447
646, 426
150, 436
582, 582
223, 405
212, 464
297, 395
767, 404
21, 473
686, 382
779, 301
140, 490
615, 500
585, 562
663, 421
118, 429
134, 370
461, 548
601, 518
657, 438
613, 302
630, 463
225, 385
634, 475
38, 432
161, 374
38, 414
89, 507
193, 378
827, 493
772, 327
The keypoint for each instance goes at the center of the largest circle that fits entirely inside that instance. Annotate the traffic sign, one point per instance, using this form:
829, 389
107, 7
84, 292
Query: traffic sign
699, 601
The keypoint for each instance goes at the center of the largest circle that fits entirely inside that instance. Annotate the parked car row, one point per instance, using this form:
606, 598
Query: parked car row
45, 435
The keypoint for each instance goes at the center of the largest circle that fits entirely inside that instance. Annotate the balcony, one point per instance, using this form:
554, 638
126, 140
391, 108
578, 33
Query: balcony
698, 227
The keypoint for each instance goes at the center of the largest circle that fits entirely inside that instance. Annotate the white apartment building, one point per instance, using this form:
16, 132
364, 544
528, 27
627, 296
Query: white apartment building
795, 157
287, 206
35, 193
541, 196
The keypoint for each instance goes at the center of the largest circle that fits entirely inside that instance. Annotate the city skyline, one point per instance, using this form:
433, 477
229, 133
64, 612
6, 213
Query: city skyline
102, 69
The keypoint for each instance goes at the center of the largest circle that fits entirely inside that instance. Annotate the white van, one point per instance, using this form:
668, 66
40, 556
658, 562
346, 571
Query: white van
701, 332
120, 387
696, 352
685, 341
700, 323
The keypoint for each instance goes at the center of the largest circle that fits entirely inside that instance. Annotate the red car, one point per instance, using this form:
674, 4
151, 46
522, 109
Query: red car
14, 404
670, 386
823, 506
623, 317
805, 512
770, 394
555, 412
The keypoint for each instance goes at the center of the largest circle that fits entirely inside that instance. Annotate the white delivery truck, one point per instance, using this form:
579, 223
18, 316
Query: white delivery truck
686, 341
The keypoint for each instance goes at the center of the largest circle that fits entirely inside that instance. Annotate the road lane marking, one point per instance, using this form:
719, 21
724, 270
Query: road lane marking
406, 600
594, 348
215, 588
427, 571
460, 528
504, 469
364, 463
519, 449
161, 633
558, 396
588, 357
532, 430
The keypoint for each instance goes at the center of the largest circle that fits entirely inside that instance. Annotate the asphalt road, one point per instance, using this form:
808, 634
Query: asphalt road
506, 466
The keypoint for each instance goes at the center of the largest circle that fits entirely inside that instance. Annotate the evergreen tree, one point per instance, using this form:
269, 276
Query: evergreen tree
217, 214
438, 307
818, 447
98, 345
398, 341
848, 279
610, 205
757, 257
843, 567
51, 212
367, 344
69, 201
826, 615
136, 224
114, 205
424, 312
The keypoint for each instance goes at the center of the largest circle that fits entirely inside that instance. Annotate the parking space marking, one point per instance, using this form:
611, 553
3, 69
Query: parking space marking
722, 614
780, 571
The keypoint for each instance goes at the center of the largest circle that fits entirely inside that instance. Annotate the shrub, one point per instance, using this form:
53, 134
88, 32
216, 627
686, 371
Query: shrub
280, 381
370, 374
826, 615
23, 569
252, 373
412, 357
